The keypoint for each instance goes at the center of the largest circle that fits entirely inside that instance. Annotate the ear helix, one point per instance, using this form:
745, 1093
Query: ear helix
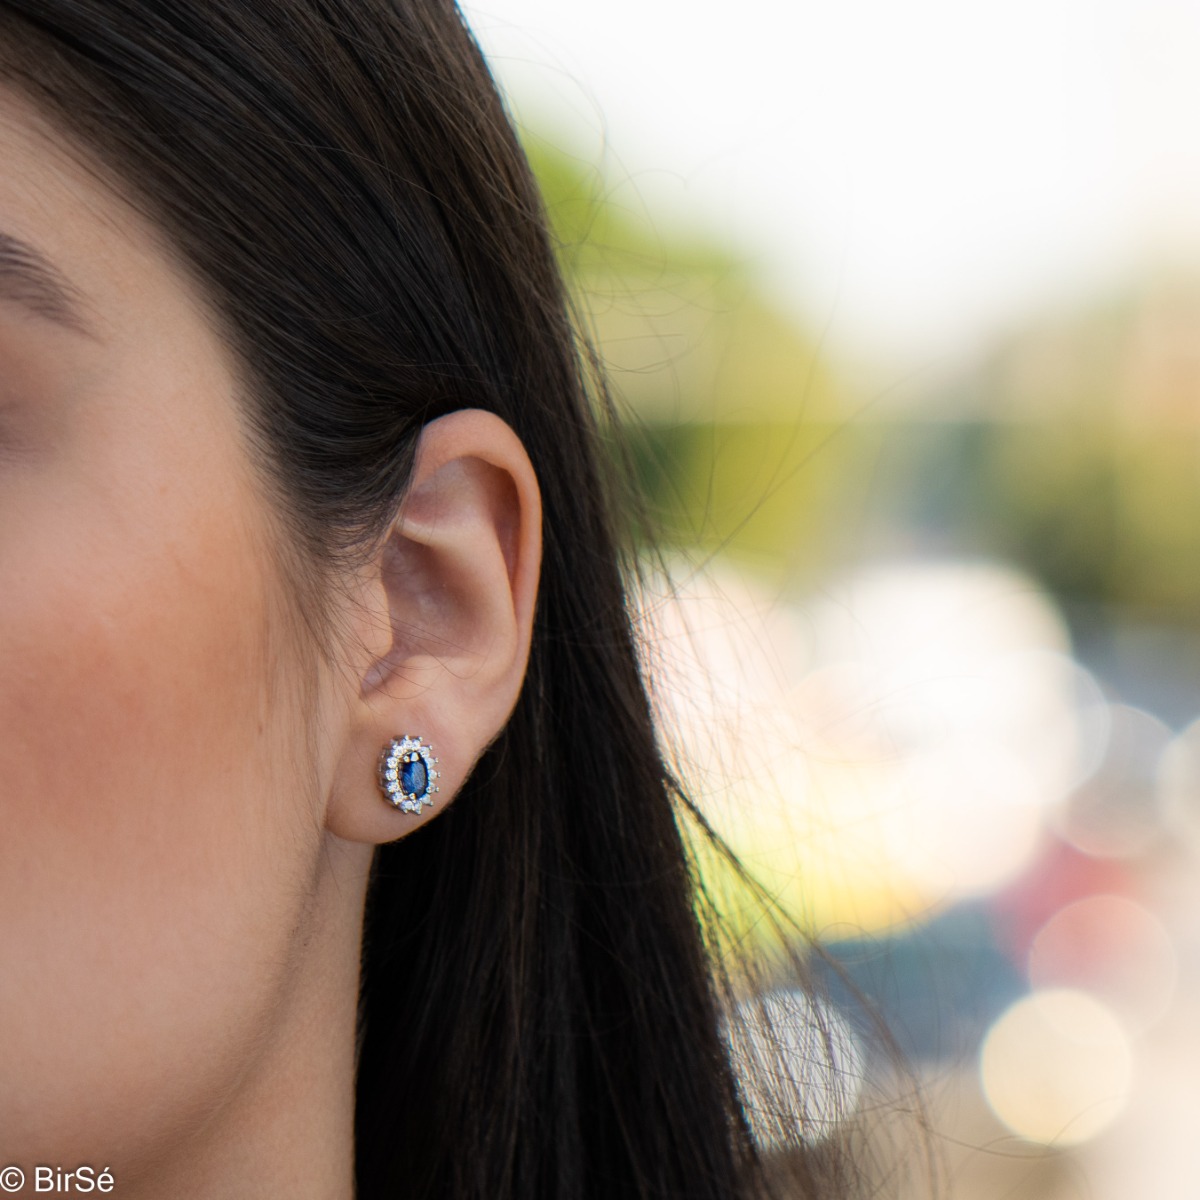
408, 774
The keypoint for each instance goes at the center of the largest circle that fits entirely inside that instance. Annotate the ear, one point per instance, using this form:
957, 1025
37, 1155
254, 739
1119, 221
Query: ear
446, 619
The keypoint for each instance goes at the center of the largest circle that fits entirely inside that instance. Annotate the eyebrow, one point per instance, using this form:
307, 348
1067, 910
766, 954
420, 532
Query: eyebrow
30, 279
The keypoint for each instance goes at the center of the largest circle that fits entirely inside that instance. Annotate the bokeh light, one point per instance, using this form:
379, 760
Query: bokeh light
794, 1056
1114, 948
1056, 1068
1118, 812
893, 751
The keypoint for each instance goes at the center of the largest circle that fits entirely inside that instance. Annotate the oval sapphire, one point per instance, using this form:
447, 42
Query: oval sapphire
414, 779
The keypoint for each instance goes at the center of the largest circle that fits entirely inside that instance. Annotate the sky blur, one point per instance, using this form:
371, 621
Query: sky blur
907, 176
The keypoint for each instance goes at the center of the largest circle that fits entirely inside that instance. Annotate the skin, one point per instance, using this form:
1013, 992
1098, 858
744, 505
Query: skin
186, 782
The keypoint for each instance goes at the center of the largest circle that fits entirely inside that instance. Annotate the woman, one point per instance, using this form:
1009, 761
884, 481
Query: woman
315, 642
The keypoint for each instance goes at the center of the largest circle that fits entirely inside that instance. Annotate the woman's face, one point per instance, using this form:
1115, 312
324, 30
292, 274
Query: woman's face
160, 824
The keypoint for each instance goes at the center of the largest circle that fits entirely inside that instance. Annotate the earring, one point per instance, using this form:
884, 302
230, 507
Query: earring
407, 773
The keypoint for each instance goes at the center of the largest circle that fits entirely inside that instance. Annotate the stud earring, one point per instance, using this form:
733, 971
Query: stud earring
407, 774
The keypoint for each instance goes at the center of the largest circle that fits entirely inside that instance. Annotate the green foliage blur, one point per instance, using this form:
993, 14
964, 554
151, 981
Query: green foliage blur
733, 417
1071, 448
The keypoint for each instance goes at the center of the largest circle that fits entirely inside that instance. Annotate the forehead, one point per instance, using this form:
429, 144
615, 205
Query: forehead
62, 212
151, 382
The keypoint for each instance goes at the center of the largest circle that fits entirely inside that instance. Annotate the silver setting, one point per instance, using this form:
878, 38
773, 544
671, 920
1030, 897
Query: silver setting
395, 754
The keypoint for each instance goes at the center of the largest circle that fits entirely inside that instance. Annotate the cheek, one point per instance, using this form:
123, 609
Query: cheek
130, 687
153, 852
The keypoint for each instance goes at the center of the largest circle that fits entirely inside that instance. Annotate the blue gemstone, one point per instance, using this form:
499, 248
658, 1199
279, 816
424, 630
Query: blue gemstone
414, 779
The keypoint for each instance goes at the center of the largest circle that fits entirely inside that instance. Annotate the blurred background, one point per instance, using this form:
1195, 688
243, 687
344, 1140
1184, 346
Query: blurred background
901, 307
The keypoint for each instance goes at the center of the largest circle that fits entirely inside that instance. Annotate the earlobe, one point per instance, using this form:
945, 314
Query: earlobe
451, 599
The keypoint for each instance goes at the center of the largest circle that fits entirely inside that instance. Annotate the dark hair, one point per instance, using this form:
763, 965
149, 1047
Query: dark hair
538, 1013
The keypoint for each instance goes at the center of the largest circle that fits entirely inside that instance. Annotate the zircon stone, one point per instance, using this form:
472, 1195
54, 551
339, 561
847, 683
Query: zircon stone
414, 779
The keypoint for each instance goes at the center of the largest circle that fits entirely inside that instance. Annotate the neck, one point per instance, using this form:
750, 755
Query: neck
286, 1128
